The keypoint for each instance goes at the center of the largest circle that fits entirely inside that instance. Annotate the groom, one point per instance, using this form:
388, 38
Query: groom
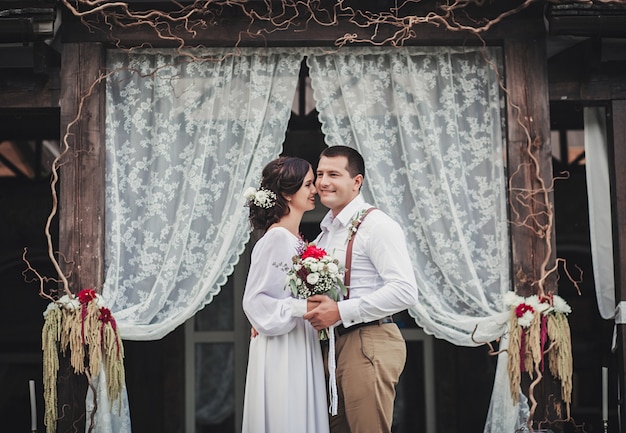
370, 349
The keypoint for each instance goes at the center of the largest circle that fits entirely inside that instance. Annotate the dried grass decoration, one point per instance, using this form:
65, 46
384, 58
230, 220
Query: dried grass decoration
85, 327
539, 324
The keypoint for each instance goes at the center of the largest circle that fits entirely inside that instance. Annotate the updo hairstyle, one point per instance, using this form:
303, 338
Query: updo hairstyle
283, 176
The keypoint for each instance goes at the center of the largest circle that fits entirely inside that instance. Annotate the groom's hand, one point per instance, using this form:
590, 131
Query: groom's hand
323, 315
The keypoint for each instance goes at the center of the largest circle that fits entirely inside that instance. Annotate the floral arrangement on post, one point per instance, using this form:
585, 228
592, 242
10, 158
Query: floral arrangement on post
536, 321
315, 272
82, 325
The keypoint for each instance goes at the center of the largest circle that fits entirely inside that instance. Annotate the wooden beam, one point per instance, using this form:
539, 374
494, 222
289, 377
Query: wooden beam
81, 199
618, 114
229, 26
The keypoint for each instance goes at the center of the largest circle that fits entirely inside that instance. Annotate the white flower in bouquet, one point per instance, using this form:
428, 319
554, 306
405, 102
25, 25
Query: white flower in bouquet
313, 278
332, 268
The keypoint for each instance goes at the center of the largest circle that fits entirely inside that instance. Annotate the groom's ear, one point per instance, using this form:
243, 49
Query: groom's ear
358, 181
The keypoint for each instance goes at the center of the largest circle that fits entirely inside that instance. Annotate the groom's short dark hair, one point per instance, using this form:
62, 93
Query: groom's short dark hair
356, 164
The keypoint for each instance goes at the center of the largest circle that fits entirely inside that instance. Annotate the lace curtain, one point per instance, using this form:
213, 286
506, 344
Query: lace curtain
184, 140
428, 122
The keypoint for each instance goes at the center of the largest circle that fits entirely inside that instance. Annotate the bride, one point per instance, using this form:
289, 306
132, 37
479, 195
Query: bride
285, 384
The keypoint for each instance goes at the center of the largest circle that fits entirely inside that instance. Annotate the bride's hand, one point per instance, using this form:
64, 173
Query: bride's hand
311, 304
253, 332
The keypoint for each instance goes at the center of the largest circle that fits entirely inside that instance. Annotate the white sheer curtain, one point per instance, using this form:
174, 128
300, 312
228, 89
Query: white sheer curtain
428, 123
184, 140
599, 197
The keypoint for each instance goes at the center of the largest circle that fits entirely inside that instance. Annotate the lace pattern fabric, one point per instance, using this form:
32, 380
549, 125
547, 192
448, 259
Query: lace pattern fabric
185, 139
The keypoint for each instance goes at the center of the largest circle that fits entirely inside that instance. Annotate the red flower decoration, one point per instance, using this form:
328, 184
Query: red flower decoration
105, 315
86, 295
313, 251
523, 308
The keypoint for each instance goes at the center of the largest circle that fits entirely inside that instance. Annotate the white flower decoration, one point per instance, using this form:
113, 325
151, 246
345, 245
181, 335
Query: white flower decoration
526, 319
560, 306
510, 299
249, 193
260, 197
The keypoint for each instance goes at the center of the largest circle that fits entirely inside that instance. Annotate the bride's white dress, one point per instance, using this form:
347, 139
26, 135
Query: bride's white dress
285, 384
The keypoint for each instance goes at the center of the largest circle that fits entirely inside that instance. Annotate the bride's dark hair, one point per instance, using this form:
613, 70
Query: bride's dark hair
283, 176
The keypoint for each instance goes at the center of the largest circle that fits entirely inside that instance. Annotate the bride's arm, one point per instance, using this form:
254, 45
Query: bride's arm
266, 301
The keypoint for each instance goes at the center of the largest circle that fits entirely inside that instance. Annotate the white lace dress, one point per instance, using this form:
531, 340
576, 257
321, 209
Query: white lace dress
285, 384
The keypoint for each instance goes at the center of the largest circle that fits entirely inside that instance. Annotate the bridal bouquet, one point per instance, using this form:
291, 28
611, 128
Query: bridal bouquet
315, 272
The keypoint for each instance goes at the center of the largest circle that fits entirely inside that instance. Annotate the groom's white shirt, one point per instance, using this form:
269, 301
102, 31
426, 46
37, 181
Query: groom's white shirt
382, 281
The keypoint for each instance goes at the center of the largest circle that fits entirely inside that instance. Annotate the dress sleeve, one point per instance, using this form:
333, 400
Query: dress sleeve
267, 302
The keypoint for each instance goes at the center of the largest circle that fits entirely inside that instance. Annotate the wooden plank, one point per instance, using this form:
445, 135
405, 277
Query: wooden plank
81, 200
618, 110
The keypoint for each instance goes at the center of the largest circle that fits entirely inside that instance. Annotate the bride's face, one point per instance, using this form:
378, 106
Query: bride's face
304, 198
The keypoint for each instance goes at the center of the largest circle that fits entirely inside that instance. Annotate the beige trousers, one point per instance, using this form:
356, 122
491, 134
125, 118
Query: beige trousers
369, 363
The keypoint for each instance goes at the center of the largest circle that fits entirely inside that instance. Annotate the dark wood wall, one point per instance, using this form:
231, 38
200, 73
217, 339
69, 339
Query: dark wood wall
80, 97
588, 75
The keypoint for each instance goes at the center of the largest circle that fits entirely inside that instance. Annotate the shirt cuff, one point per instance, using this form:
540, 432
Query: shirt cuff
349, 312
298, 307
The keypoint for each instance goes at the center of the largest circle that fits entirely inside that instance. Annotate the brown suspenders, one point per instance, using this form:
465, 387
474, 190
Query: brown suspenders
354, 229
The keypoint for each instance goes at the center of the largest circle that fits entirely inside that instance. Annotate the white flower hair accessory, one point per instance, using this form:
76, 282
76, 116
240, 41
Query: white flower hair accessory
261, 197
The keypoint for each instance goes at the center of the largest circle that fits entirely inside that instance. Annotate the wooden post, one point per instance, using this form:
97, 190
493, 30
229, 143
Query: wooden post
81, 199
81, 214
618, 111
533, 250
528, 117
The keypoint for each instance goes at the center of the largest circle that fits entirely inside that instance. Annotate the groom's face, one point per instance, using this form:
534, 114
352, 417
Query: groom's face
334, 184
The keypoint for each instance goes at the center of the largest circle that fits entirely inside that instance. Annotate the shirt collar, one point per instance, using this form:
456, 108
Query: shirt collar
345, 216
